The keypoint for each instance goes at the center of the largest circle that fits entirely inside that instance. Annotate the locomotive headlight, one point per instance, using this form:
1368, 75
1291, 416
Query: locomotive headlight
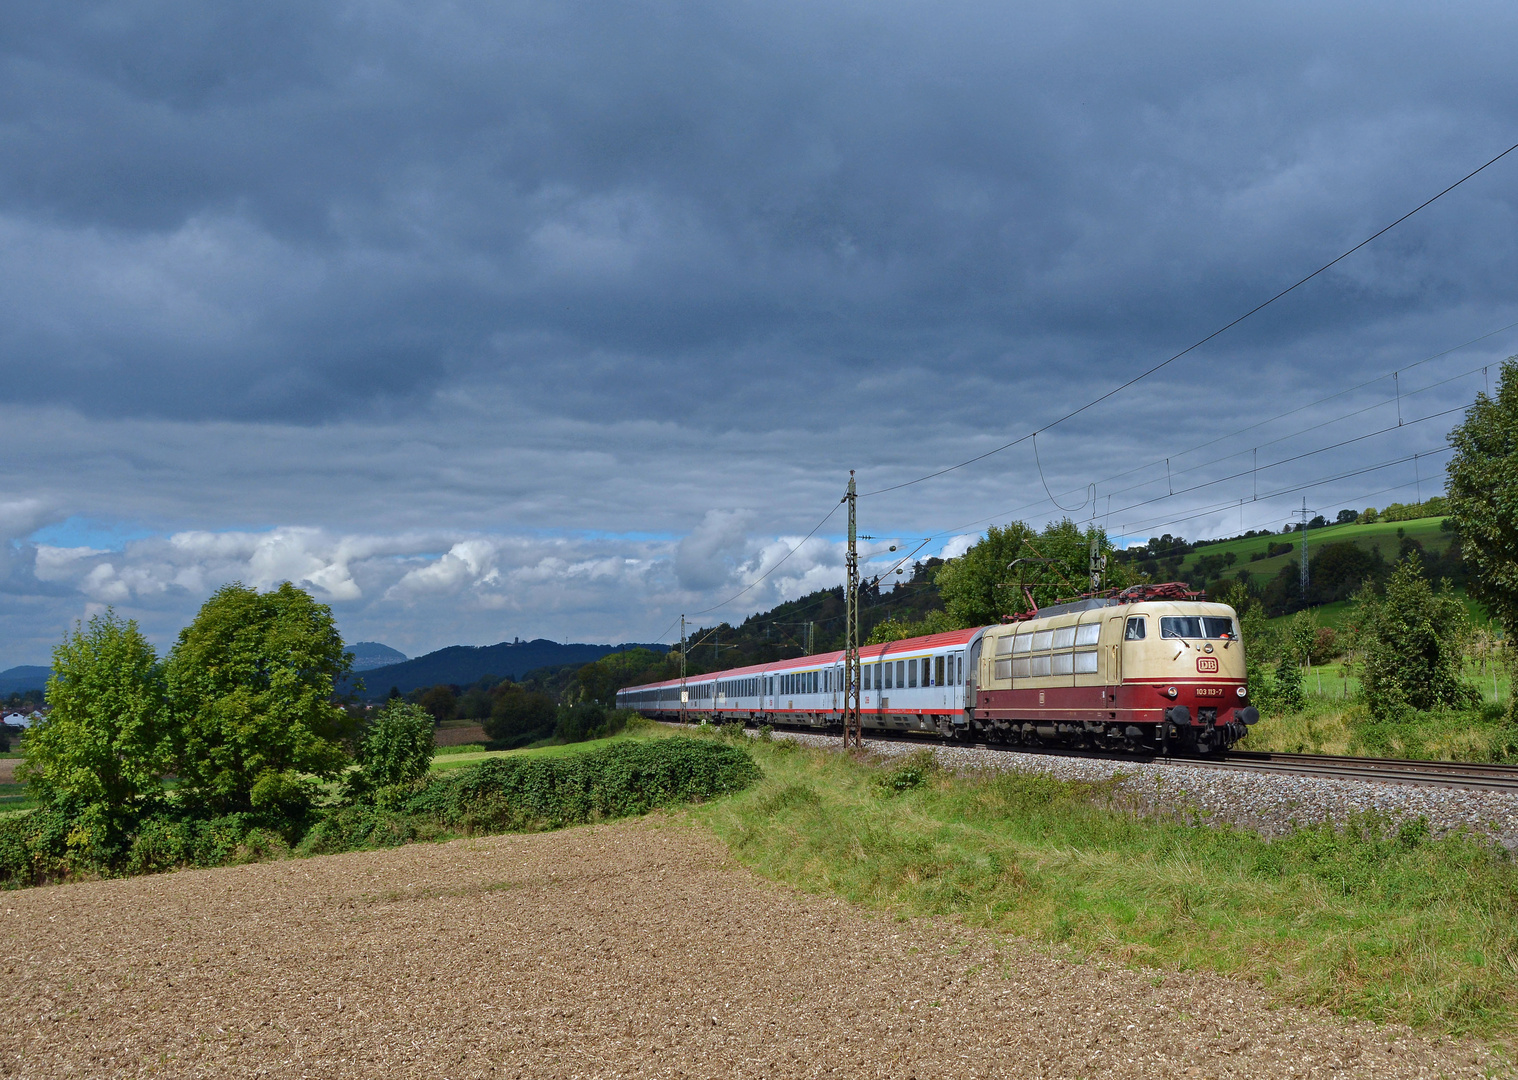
1242, 692
1171, 692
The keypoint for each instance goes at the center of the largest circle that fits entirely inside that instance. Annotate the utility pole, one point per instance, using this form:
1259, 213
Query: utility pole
683, 695
1304, 549
852, 721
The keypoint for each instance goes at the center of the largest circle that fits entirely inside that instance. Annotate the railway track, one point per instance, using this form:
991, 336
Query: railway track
1452, 774
1380, 770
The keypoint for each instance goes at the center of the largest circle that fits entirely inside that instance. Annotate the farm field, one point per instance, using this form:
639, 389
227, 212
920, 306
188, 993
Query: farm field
636, 949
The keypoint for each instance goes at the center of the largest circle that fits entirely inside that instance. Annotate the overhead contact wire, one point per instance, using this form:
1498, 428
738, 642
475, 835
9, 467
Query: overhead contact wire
1198, 344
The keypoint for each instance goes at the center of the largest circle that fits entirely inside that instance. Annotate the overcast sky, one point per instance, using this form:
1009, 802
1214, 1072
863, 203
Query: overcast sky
557, 320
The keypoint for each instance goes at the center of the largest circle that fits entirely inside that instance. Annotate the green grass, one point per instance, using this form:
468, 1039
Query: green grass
1369, 921
1383, 534
14, 797
1336, 721
458, 757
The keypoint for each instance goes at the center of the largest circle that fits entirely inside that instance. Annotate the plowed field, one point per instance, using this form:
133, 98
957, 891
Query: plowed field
627, 950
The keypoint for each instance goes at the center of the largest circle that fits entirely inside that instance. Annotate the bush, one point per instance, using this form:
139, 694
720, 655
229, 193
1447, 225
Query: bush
505, 794
914, 772
397, 747
590, 720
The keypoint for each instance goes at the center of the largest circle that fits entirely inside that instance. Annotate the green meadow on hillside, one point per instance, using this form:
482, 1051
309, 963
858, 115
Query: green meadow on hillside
1386, 535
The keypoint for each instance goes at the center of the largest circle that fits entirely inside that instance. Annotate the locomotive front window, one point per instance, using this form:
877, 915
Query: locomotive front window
1181, 626
1196, 626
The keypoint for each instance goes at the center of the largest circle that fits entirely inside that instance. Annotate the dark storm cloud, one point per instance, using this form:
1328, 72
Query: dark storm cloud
319, 206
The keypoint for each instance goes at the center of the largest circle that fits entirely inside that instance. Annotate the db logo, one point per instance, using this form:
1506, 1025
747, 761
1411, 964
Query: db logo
1207, 663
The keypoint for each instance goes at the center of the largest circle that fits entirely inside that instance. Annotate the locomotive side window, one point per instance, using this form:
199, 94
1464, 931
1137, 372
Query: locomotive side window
1024, 643
1135, 629
1064, 637
1021, 668
1042, 638
1088, 633
1085, 662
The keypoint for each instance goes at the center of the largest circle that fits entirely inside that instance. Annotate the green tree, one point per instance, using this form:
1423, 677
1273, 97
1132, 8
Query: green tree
396, 749
894, 629
1483, 500
440, 702
518, 717
101, 753
979, 588
1412, 644
250, 683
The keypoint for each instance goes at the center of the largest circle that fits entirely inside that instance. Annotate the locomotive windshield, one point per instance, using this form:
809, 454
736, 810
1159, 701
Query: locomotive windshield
1197, 626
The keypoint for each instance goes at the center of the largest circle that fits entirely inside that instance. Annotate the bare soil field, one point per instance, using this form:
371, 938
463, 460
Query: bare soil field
456, 734
8, 770
633, 949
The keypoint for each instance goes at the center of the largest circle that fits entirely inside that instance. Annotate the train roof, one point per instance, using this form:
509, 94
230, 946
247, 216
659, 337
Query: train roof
867, 653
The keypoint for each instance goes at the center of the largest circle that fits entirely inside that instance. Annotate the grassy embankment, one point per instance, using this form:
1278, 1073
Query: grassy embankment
1369, 921
1331, 725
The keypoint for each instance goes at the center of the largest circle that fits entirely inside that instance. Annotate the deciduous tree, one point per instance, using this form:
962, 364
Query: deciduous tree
101, 752
1483, 496
979, 588
1411, 643
250, 684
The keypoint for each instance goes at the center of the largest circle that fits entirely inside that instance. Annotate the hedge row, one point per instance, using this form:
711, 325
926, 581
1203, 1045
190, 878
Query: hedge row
497, 795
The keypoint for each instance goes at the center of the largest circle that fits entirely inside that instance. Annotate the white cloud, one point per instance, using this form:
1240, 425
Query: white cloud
469, 562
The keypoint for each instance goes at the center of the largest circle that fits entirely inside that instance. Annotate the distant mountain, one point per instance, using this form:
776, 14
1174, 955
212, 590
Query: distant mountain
18, 680
368, 655
464, 664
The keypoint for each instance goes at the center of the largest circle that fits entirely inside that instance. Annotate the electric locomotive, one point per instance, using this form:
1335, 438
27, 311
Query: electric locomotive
1153, 669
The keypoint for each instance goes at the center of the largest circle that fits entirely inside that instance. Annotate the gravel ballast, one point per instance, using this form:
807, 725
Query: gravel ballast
632, 949
1267, 802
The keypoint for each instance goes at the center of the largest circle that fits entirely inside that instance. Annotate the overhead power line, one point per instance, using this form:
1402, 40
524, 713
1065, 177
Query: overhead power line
1198, 344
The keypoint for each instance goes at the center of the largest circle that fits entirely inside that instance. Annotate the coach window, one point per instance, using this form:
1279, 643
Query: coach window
938, 679
1135, 629
959, 666
911, 674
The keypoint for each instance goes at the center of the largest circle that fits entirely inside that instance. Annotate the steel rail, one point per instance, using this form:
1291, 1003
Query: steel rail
1455, 774
1413, 772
